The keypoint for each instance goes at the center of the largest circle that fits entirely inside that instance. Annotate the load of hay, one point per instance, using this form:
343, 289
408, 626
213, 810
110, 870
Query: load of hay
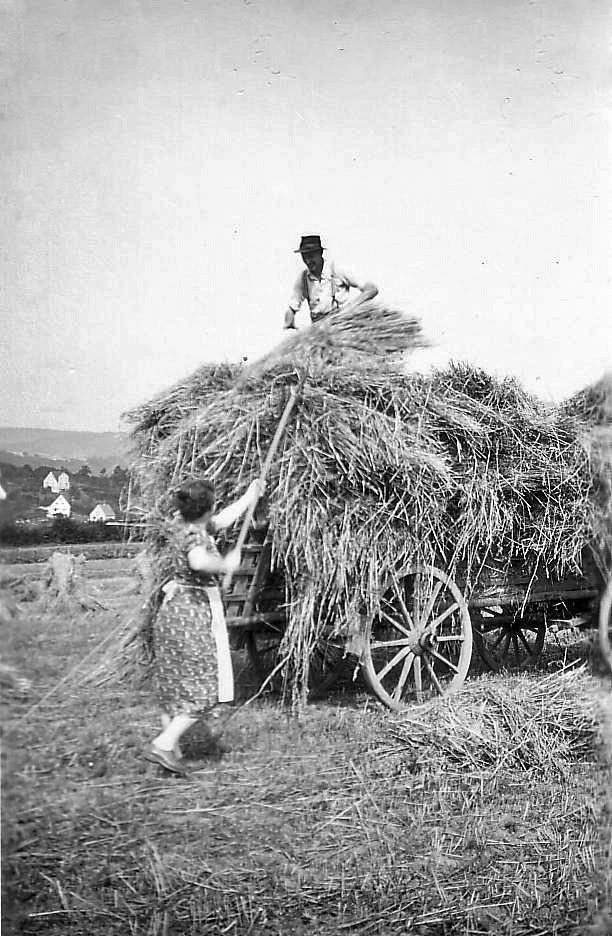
378, 468
592, 407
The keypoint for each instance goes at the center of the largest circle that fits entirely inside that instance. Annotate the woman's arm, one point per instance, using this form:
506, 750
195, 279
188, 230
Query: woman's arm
234, 511
201, 560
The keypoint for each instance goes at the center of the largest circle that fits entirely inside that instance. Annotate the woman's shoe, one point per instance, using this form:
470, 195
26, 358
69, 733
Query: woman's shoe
166, 759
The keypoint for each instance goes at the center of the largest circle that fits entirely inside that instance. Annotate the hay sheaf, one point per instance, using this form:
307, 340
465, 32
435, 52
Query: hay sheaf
593, 404
158, 417
379, 468
539, 723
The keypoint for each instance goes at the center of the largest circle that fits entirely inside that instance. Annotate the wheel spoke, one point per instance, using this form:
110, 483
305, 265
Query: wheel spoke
442, 617
404, 609
524, 641
430, 603
418, 682
420, 598
395, 623
393, 662
434, 678
397, 692
377, 644
507, 647
502, 634
516, 646
443, 659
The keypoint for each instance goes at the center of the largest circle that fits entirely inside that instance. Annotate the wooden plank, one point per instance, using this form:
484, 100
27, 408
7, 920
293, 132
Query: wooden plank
500, 577
541, 591
254, 621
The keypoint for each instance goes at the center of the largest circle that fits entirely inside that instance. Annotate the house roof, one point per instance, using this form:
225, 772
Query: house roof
106, 508
60, 497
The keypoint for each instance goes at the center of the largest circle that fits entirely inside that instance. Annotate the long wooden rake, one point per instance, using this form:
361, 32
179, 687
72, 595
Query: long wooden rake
280, 429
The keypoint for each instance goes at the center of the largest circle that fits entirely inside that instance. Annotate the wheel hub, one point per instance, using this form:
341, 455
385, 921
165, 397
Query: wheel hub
422, 643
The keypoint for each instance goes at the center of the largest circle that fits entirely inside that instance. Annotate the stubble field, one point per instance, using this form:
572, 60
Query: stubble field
347, 819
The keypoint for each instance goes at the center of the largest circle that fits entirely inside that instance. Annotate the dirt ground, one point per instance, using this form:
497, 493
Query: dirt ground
322, 824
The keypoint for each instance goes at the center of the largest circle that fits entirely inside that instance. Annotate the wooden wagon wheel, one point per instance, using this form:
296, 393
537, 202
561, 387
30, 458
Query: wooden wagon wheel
504, 640
605, 625
420, 644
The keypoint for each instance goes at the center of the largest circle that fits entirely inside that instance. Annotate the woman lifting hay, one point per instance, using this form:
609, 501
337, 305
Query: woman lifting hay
193, 667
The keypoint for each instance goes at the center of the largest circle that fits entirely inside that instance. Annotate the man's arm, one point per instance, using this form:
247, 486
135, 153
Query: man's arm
297, 298
367, 289
290, 318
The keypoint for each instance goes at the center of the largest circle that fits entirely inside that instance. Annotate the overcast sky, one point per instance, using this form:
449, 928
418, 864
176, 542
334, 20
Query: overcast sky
160, 159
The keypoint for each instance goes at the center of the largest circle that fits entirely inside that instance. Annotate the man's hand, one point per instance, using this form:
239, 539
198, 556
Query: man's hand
289, 318
366, 292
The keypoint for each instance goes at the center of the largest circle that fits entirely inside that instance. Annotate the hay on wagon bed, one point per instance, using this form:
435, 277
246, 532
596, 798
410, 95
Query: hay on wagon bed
378, 468
593, 407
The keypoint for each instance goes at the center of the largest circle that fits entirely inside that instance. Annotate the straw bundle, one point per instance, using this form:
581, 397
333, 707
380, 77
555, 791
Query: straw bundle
593, 404
349, 335
160, 415
378, 468
523, 722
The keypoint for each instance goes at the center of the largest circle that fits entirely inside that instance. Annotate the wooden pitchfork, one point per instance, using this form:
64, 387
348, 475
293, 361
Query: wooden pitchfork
282, 424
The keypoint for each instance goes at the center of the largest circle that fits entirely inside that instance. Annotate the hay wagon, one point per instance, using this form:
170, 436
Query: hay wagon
419, 642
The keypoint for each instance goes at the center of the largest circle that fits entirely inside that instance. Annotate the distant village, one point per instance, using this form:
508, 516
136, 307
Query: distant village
38, 495
61, 506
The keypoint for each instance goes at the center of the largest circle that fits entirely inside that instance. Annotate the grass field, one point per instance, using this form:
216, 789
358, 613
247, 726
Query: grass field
346, 820
35, 554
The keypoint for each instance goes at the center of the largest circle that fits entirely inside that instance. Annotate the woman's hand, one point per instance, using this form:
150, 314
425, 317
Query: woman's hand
256, 489
231, 562
230, 514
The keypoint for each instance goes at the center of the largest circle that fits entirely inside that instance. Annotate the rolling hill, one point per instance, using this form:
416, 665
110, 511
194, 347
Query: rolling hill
66, 448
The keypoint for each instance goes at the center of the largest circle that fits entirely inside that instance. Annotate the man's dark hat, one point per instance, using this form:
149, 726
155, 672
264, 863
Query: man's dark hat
310, 243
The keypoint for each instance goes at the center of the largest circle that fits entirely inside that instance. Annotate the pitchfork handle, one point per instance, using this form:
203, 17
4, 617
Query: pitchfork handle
248, 517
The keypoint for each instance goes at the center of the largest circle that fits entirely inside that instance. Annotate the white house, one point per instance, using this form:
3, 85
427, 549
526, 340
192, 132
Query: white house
51, 482
63, 481
102, 512
59, 508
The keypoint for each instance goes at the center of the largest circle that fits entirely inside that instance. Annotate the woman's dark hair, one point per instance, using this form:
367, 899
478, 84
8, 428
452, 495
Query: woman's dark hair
194, 498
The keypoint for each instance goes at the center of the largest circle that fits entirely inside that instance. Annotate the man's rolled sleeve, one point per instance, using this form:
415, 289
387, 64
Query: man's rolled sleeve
297, 296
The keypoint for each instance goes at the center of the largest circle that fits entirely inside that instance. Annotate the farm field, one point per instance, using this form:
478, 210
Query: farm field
490, 813
22, 555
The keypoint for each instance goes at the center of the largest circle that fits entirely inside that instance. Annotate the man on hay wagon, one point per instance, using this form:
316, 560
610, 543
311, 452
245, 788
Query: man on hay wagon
323, 285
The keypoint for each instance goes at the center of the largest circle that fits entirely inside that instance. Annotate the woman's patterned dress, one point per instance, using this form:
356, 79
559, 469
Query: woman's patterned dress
193, 668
